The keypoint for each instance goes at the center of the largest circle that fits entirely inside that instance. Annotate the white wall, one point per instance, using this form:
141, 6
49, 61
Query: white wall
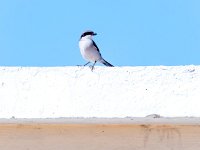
31, 92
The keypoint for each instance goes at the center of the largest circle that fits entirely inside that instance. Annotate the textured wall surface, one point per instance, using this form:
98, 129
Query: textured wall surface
45, 92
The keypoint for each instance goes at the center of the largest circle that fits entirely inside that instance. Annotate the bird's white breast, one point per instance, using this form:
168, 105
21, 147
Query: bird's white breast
88, 51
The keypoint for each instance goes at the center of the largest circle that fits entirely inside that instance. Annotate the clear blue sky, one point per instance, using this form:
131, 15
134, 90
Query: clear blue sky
130, 32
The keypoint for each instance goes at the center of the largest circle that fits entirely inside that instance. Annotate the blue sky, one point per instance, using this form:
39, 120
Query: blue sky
130, 32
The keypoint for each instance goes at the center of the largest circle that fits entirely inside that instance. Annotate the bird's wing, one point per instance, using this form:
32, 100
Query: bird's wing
95, 45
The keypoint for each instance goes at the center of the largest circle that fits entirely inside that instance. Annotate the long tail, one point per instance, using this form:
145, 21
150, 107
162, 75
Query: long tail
106, 63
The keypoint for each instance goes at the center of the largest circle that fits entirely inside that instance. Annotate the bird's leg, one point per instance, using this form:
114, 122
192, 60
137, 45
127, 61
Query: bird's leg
83, 65
92, 67
86, 63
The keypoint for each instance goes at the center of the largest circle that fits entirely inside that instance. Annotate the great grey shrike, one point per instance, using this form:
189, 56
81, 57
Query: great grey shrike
90, 51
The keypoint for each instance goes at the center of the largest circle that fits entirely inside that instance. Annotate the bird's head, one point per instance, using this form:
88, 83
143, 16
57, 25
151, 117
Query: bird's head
88, 34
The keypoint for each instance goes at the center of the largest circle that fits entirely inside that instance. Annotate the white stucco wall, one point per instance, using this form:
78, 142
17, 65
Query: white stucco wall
50, 92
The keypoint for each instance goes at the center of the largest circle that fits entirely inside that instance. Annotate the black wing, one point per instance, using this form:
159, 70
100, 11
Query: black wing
96, 46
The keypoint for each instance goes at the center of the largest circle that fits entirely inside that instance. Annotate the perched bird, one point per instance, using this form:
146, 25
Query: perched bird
90, 51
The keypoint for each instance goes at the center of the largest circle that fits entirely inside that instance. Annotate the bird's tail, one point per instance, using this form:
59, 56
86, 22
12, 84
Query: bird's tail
106, 63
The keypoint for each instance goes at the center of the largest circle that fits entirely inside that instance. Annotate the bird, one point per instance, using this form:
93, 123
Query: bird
89, 50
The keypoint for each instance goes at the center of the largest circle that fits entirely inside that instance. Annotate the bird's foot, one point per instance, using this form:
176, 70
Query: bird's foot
91, 67
79, 65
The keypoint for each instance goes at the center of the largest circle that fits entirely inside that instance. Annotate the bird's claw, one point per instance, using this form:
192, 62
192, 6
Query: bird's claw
79, 65
92, 68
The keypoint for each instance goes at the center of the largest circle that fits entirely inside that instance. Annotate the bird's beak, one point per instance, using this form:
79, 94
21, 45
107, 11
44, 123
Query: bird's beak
94, 33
